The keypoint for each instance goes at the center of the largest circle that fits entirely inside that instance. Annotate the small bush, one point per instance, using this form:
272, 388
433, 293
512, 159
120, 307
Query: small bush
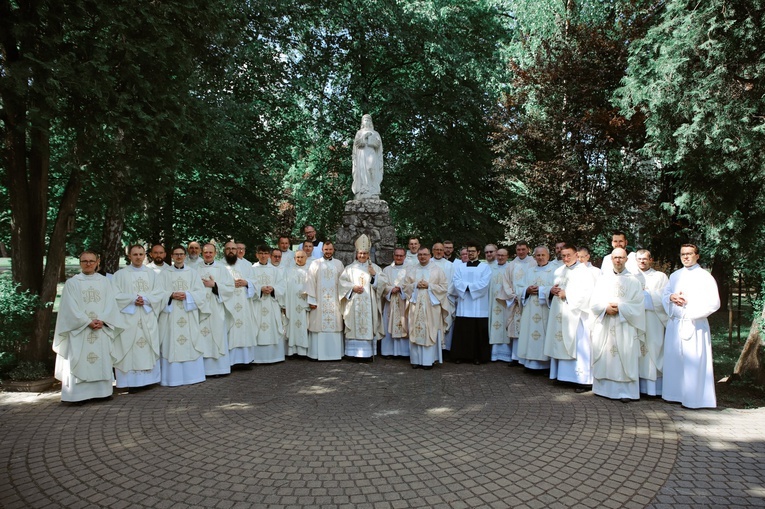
26, 371
17, 310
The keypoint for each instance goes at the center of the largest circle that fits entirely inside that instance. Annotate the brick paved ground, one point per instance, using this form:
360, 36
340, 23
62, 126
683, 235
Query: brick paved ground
307, 434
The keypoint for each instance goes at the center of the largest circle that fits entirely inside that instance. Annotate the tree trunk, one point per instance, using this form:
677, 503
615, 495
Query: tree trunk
722, 271
112, 252
749, 360
38, 347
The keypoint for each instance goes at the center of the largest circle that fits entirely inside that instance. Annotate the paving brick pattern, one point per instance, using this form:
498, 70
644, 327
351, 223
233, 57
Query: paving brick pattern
381, 435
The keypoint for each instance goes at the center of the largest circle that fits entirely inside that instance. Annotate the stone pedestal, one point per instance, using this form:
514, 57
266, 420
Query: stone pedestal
373, 218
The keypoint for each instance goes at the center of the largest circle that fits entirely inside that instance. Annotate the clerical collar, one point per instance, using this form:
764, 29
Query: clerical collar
572, 265
473, 264
208, 264
328, 259
178, 268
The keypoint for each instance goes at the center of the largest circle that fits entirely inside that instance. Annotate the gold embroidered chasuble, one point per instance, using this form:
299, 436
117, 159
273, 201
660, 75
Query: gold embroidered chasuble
268, 308
240, 320
362, 312
499, 312
296, 306
564, 316
179, 330
428, 308
531, 338
322, 291
615, 343
137, 347
84, 299
395, 275
213, 327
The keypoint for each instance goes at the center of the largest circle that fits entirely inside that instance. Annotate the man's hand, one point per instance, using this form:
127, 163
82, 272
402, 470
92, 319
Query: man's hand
678, 299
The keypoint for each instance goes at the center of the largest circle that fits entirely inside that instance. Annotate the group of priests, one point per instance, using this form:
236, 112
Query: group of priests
620, 330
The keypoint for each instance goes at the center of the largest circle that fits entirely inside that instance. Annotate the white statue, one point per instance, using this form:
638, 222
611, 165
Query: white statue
367, 161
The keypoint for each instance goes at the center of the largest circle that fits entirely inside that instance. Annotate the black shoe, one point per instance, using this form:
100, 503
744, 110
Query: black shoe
625, 400
582, 390
427, 367
415, 366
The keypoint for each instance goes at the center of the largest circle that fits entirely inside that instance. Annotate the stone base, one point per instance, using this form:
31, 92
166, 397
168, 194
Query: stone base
373, 218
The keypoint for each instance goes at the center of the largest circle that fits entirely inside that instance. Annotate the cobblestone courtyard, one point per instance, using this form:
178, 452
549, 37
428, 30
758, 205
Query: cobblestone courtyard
380, 435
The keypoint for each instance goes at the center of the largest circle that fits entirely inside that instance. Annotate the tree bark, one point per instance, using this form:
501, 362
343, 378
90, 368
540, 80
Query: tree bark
749, 360
111, 238
38, 347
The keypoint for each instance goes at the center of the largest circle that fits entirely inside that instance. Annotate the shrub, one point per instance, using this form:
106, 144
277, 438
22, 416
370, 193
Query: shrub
17, 310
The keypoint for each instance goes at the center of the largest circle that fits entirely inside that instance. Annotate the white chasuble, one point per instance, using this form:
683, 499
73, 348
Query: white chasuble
267, 307
362, 312
395, 304
514, 274
500, 304
615, 344
566, 315
180, 339
240, 320
213, 327
427, 306
84, 354
296, 307
531, 337
322, 290
137, 347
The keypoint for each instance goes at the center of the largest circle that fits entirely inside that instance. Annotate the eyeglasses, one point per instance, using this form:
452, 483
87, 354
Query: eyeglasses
179, 254
88, 262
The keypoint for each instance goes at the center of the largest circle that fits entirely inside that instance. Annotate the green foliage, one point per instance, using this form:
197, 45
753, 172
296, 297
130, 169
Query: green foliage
699, 78
569, 158
429, 73
17, 310
27, 371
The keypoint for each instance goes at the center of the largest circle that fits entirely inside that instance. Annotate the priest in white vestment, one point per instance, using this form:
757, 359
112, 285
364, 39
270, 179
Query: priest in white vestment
140, 299
689, 298
567, 339
534, 291
296, 306
157, 256
490, 253
325, 320
288, 256
181, 345
619, 240
514, 273
471, 325
411, 255
88, 320
219, 288
241, 326
360, 290
500, 310
395, 342
617, 305
193, 255
267, 307
316, 249
443, 263
652, 341
426, 286
584, 255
